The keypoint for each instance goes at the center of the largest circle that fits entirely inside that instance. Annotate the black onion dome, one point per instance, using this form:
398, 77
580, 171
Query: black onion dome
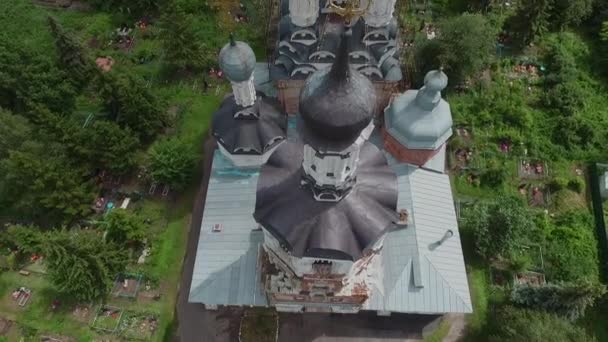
337, 103
334, 230
260, 128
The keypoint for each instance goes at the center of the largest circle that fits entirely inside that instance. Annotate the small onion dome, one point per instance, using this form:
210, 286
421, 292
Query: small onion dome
436, 80
420, 119
237, 60
337, 103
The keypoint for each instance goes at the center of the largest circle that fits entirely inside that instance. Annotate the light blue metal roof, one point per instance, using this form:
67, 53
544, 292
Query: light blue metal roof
416, 127
225, 270
421, 276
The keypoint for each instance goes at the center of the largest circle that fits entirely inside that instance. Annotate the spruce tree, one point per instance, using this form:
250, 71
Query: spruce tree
71, 53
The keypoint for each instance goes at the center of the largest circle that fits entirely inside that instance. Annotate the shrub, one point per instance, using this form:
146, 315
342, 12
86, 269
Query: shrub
576, 184
558, 183
498, 227
513, 324
569, 300
172, 162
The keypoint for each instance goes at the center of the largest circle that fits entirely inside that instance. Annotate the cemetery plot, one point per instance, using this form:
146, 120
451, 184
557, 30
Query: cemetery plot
126, 285
532, 169
138, 326
107, 318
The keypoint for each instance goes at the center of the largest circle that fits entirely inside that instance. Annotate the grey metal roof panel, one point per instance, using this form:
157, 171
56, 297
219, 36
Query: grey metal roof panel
257, 134
308, 227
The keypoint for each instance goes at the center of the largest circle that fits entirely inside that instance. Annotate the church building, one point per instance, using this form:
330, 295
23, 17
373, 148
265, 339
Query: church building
343, 206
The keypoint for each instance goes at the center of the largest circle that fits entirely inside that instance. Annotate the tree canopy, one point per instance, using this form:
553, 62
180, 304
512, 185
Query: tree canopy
71, 54
467, 44
498, 227
131, 104
124, 227
39, 182
172, 162
81, 264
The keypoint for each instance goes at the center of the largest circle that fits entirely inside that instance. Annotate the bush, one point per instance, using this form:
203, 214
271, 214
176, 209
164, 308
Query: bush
570, 247
498, 227
558, 183
172, 162
576, 185
569, 300
512, 324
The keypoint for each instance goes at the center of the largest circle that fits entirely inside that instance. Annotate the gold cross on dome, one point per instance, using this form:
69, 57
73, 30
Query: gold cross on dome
350, 9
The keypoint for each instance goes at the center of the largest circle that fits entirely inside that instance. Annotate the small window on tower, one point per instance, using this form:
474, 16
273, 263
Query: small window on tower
313, 167
347, 168
330, 174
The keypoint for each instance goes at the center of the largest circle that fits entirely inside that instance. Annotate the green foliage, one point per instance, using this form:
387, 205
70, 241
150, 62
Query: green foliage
131, 104
512, 324
494, 175
467, 45
498, 227
569, 300
24, 239
576, 184
14, 130
29, 80
127, 6
71, 54
558, 184
570, 248
38, 182
124, 227
182, 49
101, 145
172, 162
81, 265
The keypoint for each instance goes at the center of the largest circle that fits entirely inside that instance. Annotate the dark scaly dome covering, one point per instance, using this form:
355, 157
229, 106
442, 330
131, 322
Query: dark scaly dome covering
261, 127
334, 230
337, 103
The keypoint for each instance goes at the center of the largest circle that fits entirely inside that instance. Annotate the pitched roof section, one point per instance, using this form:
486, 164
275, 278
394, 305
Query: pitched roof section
421, 276
225, 270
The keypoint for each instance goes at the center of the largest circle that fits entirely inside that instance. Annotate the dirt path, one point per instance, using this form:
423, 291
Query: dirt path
457, 328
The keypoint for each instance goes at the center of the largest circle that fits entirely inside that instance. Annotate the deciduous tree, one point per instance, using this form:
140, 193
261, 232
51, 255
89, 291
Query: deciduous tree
498, 227
124, 227
172, 162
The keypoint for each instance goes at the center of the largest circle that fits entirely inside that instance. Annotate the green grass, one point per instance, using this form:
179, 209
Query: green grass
439, 334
